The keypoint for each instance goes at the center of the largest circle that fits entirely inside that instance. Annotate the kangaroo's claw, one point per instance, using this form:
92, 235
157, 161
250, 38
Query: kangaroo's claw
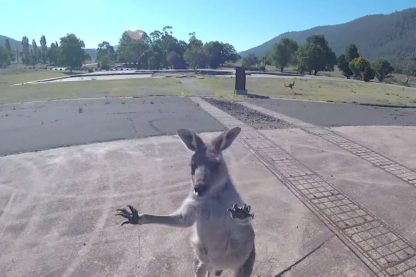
242, 212
132, 216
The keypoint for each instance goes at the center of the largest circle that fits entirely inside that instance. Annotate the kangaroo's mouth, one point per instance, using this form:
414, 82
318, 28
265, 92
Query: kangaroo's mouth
200, 190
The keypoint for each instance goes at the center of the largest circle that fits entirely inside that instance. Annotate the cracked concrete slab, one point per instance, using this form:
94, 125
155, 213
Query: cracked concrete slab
58, 205
333, 251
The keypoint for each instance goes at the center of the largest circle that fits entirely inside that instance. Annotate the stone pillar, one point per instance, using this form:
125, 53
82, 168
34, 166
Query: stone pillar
240, 81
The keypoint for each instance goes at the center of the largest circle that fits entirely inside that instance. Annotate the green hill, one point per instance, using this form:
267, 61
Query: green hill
389, 36
13, 42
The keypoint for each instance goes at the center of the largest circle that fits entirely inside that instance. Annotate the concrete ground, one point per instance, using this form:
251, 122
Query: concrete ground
57, 206
58, 218
44, 125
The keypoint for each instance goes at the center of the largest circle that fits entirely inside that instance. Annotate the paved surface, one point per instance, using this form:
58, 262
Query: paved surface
366, 153
379, 245
44, 125
321, 209
340, 114
99, 78
57, 218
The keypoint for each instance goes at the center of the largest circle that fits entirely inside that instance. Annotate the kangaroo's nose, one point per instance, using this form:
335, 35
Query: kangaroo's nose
200, 189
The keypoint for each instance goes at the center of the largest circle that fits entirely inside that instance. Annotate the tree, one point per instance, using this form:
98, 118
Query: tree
194, 54
283, 53
362, 69
105, 55
343, 61
175, 60
343, 65
250, 61
17, 54
267, 59
161, 49
351, 52
315, 55
105, 49
4, 56
25, 50
382, 68
136, 52
71, 51
104, 62
53, 53
194, 42
368, 74
218, 53
43, 49
124, 52
8, 49
34, 57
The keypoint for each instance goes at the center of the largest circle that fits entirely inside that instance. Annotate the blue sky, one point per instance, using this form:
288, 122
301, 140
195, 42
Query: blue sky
243, 23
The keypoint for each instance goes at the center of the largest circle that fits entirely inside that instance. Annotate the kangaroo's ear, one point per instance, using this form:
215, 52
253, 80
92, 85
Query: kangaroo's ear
225, 139
191, 140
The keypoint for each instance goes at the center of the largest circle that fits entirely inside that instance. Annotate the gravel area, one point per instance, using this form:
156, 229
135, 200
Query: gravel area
249, 116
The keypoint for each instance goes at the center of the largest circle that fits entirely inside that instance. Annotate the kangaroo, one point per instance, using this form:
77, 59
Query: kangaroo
290, 85
223, 237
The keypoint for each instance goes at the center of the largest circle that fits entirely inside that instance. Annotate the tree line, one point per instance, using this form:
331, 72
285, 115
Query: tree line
316, 55
69, 52
158, 50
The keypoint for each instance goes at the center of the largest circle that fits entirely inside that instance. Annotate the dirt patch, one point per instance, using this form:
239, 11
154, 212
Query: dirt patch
249, 116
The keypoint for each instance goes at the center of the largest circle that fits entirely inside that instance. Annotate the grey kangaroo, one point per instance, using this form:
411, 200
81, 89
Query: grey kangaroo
223, 237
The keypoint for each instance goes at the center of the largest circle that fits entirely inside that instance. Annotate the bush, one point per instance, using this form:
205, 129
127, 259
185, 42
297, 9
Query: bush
362, 69
368, 74
382, 69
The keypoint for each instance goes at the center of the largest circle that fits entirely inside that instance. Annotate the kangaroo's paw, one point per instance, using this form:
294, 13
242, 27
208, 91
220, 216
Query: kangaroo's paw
132, 216
241, 213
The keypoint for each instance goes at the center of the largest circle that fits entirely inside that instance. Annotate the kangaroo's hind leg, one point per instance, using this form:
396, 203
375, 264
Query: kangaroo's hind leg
247, 268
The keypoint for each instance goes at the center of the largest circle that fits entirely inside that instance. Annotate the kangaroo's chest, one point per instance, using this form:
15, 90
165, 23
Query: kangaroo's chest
217, 237
214, 223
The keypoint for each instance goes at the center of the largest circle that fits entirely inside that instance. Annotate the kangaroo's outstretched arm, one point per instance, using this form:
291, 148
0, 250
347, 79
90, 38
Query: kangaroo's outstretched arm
184, 217
176, 220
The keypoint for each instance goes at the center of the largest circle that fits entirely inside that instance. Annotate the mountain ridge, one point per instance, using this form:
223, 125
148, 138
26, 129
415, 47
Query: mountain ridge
378, 35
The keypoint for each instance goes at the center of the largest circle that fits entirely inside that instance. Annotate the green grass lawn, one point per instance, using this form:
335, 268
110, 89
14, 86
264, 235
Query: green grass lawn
337, 90
17, 77
329, 89
82, 89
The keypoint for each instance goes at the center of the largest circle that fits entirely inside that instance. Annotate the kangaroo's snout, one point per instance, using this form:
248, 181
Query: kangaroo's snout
200, 189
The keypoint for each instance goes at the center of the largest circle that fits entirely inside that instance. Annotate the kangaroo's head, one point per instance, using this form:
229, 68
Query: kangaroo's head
208, 169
